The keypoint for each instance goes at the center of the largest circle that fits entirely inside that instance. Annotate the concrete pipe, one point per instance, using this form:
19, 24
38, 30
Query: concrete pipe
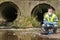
9, 11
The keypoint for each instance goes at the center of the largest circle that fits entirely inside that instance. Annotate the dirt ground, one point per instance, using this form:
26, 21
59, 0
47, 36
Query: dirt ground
27, 34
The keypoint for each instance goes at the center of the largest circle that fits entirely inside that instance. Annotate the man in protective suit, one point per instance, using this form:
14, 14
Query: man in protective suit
50, 21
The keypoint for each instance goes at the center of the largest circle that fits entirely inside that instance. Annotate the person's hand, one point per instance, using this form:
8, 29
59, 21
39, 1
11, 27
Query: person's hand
48, 25
50, 22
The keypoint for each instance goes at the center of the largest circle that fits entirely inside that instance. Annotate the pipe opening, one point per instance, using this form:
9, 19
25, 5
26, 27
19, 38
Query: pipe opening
9, 11
39, 10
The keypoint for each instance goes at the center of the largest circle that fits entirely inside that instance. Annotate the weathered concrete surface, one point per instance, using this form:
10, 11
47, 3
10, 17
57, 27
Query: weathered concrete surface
26, 6
26, 34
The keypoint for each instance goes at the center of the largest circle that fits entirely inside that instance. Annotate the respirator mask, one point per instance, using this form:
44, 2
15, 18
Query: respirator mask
50, 13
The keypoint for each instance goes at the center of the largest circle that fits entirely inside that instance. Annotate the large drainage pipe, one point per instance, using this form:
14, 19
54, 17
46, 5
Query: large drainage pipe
9, 11
39, 10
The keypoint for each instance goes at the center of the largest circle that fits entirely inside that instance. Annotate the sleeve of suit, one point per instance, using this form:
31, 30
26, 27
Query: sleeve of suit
44, 20
55, 20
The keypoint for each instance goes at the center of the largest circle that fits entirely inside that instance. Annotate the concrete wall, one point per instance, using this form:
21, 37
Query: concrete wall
26, 6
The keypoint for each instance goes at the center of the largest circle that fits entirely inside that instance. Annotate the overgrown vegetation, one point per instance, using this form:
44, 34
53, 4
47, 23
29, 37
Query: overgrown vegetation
30, 22
58, 15
26, 22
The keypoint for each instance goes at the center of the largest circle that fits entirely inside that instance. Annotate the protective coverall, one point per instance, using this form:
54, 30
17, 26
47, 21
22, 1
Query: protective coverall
50, 21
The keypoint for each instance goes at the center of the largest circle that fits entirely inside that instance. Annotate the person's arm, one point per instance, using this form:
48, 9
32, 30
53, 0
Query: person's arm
55, 20
44, 20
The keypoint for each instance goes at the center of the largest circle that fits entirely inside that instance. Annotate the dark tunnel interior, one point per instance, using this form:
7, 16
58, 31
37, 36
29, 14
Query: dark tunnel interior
39, 10
9, 11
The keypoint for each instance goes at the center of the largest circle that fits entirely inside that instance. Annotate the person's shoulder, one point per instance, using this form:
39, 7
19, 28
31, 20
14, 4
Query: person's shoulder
45, 14
54, 15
